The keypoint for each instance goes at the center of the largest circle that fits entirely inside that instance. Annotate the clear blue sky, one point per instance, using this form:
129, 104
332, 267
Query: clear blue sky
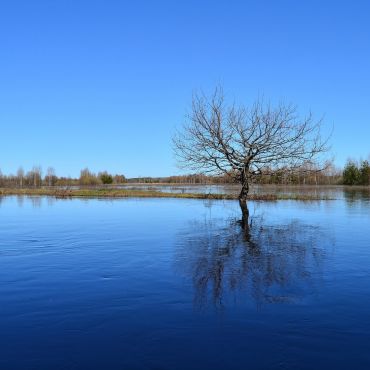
103, 84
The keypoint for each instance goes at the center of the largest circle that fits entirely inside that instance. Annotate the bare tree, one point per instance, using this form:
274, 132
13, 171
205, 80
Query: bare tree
50, 175
245, 142
20, 176
36, 175
88, 178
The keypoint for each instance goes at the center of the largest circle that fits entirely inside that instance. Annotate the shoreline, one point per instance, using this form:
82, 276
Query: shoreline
134, 193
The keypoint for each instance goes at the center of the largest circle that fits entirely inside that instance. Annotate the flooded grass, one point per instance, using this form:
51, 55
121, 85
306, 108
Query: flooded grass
138, 193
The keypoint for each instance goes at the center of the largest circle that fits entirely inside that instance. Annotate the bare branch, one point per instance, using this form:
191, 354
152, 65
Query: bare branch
246, 142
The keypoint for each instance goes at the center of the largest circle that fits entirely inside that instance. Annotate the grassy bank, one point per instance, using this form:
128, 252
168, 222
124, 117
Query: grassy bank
134, 193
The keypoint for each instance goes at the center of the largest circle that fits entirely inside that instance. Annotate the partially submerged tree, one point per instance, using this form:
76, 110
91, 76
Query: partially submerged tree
245, 142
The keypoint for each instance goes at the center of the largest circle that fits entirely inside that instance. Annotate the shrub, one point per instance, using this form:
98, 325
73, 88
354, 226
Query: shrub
106, 178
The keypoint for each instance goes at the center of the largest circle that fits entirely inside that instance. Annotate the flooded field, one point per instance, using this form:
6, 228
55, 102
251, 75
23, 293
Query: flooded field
177, 284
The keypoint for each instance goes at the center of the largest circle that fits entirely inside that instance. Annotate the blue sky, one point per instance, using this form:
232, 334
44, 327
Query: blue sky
103, 84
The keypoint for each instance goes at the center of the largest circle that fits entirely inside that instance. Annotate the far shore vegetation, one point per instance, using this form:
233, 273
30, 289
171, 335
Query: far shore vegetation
104, 184
354, 173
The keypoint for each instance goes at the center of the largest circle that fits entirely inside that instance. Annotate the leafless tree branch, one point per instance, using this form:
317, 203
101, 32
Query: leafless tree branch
246, 141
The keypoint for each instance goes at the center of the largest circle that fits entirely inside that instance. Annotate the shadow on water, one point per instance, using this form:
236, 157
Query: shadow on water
268, 264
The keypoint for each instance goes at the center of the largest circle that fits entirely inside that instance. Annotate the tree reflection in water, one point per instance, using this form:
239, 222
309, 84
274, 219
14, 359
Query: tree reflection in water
268, 264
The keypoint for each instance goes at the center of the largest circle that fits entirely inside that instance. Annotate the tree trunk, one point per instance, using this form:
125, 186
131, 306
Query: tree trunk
243, 204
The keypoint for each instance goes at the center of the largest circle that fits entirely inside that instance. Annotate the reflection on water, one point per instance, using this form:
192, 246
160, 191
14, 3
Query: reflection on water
270, 264
36, 201
177, 284
348, 193
327, 191
356, 194
20, 200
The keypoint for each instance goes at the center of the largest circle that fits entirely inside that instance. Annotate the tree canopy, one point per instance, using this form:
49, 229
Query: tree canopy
244, 142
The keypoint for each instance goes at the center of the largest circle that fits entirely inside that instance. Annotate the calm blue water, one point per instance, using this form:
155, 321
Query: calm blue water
176, 284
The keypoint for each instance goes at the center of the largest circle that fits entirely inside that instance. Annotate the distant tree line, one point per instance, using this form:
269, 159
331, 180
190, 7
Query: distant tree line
102, 178
183, 179
307, 174
354, 173
34, 178
331, 175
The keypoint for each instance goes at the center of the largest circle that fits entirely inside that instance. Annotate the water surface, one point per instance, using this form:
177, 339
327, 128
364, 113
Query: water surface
177, 284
